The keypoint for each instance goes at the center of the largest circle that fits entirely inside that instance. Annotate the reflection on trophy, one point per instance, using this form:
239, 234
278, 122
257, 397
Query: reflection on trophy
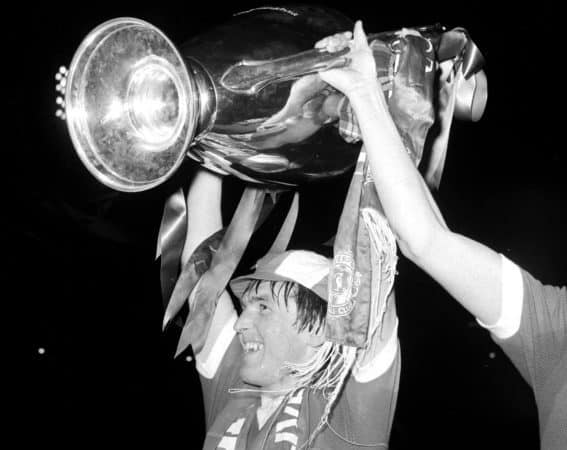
241, 99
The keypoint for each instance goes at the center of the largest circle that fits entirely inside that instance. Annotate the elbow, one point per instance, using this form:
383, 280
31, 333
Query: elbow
419, 246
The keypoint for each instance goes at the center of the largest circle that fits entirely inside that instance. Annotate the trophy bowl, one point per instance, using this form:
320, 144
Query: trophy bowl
136, 104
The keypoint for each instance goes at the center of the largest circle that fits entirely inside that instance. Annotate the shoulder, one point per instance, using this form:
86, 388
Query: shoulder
544, 312
527, 304
530, 306
534, 320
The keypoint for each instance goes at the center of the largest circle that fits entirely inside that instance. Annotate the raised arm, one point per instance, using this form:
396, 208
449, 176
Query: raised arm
468, 270
203, 219
203, 210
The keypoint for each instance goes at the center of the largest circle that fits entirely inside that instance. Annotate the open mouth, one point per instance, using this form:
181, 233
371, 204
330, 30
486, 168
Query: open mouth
251, 346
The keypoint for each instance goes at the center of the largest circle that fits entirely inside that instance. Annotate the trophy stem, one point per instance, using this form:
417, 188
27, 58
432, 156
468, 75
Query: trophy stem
206, 96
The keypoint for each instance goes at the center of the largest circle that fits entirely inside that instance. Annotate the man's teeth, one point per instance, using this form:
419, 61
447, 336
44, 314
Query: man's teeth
252, 347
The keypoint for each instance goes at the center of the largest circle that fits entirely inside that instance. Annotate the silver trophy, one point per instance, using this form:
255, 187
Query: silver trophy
241, 99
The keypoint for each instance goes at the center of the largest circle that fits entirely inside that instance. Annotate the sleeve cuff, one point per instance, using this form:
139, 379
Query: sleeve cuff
512, 302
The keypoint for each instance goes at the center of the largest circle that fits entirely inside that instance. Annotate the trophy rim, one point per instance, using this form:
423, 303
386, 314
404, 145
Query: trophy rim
84, 149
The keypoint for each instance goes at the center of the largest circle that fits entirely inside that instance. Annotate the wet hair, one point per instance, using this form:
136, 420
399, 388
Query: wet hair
327, 371
311, 309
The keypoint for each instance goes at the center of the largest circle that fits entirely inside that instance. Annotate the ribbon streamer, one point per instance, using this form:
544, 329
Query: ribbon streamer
198, 263
456, 43
462, 94
467, 59
171, 238
176, 287
282, 240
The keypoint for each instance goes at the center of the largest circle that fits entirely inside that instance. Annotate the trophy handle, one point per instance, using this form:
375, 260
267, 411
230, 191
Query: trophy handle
250, 77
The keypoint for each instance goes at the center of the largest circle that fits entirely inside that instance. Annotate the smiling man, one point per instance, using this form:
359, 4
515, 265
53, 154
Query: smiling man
270, 378
282, 317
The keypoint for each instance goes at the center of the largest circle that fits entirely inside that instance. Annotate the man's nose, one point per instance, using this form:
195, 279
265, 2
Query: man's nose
244, 321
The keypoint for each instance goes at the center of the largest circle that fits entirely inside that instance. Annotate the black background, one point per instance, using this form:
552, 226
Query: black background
85, 284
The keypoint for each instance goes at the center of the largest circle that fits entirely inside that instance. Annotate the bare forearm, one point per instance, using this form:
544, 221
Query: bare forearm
412, 214
203, 210
468, 270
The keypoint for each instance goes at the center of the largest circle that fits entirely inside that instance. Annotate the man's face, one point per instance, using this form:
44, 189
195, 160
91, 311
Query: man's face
269, 337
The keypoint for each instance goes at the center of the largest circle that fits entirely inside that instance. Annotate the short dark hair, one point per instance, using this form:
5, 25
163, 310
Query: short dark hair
311, 309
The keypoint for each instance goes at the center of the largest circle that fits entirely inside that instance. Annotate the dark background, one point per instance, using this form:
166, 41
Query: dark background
85, 284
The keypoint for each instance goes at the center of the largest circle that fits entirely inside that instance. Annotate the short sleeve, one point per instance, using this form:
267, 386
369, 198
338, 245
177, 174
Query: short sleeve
370, 407
512, 294
538, 349
540, 340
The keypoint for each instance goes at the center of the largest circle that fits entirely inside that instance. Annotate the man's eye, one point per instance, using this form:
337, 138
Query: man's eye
263, 307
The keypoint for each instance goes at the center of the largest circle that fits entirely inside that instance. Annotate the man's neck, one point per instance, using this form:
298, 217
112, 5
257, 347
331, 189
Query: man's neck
268, 405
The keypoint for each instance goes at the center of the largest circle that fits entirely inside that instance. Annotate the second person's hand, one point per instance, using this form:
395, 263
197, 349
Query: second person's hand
360, 75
